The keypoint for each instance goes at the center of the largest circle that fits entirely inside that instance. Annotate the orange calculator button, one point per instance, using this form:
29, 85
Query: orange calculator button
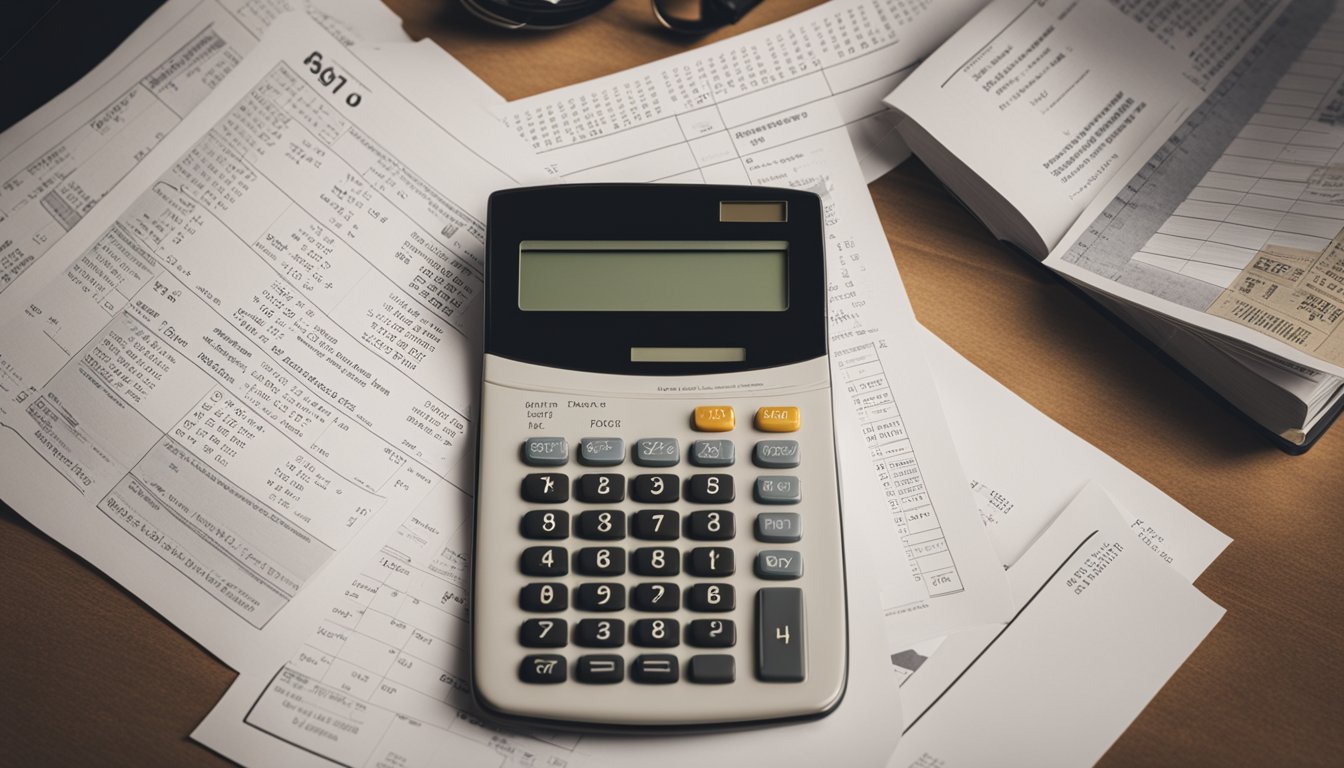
778, 418
714, 418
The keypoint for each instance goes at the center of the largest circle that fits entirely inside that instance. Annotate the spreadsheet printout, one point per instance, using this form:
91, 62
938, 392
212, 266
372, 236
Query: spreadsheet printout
262, 343
682, 116
57, 163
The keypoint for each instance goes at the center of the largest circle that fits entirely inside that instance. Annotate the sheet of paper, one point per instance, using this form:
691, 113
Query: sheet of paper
407, 63
1236, 225
57, 163
383, 680
688, 112
260, 344
1101, 626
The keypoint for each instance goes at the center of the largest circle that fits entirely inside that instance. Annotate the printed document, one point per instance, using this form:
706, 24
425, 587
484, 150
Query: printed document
262, 343
57, 163
1101, 625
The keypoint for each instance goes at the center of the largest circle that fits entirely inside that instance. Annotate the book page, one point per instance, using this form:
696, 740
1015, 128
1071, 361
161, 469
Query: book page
262, 343
1047, 100
57, 163
1236, 225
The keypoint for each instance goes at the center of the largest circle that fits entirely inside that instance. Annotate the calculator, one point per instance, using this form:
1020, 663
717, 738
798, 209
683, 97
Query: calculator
657, 539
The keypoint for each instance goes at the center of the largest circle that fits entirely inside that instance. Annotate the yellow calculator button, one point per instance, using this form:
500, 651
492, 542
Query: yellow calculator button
714, 418
778, 418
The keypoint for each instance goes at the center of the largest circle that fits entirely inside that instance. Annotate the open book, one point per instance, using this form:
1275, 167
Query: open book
1181, 161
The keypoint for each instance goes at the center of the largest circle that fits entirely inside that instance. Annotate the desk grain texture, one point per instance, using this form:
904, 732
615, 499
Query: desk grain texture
90, 675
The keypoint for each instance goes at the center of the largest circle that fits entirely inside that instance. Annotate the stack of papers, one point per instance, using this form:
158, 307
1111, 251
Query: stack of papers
204, 242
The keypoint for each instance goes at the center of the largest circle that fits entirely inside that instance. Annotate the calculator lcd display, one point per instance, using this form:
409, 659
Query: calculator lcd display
653, 276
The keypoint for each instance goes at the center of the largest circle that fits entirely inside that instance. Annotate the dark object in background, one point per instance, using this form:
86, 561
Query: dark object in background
46, 45
544, 14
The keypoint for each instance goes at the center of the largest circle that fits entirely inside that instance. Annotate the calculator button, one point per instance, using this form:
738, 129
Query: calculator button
601, 524
712, 669
656, 633
712, 633
780, 489
712, 453
602, 488
600, 597
543, 633
710, 561
779, 635
601, 451
655, 489
600, 669
546, 524
779, 527
545, 561
600, 633
711, 597
656, 561
544, 598
714, 418
776, 454
601, 561
542, 668
710, 489
711, 525
657, 452
546, 488
662, 596
655, 668
545, 452
656, 525
778, 418
779, 564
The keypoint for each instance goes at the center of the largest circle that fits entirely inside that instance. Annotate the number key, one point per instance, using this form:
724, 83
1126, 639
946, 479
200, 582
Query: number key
656, 633
545, 561
601, 524
710, 597
544, 598
655, 489
656, 525
656, 561
710, 489
662, 596
543, 633
599, 633
600, 597
711, 525
712, 633
600, 488
710, 561
546, 488
601, 561
546, 524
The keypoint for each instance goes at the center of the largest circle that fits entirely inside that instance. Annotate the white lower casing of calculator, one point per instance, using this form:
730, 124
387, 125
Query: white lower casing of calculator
520, 400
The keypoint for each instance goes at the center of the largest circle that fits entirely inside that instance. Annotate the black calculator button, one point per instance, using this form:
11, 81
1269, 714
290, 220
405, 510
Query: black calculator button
656, 633
710, 489
779, 635
545, 452
601, 561
545, 561
655, 668
600, 633
601, 524
711, 525
656, 525
600, 597
600, 488
657, 452
712, 669
656, 561
601, 451
655, 489
710, 561
661, 596
543, 668
546, 524
544, 633
546, 488
544, 598
600, 669
710, 597
712, 633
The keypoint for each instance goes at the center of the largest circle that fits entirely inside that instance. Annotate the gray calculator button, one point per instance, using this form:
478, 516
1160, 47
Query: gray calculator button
657, 452
776, 454
601, 451
779, 527
778, 489
712, 453
779, 564
779, 635
545, 452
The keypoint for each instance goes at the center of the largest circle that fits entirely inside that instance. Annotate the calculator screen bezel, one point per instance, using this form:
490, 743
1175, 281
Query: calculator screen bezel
601, 341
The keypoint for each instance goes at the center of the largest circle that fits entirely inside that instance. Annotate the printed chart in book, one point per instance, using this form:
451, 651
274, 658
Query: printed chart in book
56, 164
260, 344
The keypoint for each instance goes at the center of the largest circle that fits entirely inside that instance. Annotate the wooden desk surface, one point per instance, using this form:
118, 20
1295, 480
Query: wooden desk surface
91, 675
